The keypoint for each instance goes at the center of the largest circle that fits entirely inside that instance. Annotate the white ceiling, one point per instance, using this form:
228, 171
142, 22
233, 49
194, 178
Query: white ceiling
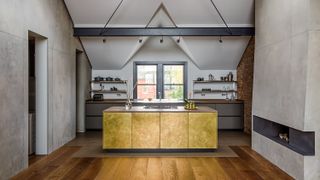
205, 52
94, 13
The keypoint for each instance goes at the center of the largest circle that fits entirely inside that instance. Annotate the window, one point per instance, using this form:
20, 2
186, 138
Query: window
160, 80
147, 81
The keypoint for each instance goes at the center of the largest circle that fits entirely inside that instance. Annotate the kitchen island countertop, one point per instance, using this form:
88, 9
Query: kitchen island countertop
200, 109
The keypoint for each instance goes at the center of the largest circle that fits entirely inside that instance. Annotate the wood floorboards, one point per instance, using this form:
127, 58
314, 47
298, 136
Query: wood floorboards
61, 165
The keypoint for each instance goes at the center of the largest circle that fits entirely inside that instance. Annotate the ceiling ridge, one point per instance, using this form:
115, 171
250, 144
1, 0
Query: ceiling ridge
158, 10
138, 46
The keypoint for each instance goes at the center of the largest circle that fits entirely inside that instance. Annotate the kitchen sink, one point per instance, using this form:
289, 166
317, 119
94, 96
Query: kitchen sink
160, 107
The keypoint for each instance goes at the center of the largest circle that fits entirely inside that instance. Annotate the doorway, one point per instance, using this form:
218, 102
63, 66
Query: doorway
38, 94
31, 97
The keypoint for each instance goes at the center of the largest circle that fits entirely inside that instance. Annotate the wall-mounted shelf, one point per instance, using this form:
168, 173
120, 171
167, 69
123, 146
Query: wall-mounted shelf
213, 91
109, 82
213, 81
215, 88
106, 91
109, 91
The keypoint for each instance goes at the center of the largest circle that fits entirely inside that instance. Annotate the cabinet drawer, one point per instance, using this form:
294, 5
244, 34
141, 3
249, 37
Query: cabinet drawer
230, 123
229, 109
94, 122
97, 109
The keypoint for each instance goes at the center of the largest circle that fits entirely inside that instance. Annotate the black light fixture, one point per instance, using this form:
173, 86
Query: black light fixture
140, 40
178, 40
161, 40
220, 40
104, 40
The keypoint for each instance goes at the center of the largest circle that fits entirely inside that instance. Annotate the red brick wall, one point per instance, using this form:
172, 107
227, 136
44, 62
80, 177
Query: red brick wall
245, 83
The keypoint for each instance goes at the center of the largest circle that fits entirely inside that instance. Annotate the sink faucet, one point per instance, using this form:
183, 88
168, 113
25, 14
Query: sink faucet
159, 95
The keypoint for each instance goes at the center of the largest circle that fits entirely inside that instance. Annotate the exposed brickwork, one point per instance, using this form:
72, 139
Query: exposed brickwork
245, 83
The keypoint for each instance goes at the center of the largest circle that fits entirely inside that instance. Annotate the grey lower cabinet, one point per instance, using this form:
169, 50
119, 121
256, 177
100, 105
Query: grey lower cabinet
230, 116
94, 114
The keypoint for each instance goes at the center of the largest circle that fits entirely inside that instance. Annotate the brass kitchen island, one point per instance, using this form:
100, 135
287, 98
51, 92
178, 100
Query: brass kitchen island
164, 129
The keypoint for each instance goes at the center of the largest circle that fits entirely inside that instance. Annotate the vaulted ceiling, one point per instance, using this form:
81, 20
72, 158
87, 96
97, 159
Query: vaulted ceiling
205, 52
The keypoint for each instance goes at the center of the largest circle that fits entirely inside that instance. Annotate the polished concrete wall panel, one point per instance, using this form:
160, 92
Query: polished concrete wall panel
279, 85
286, 78
314, 15
50, 19
13, 121
83, 89
312, 119
281, 156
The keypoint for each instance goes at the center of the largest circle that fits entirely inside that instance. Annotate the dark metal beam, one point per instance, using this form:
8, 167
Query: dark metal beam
192, 31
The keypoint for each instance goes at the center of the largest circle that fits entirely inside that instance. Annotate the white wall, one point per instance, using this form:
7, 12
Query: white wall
153, 50
41, 74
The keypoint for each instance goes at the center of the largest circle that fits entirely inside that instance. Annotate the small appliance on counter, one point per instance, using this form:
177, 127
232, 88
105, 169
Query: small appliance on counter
98, 78
98, 97
109, 79
206, 89
200, 79
113, 89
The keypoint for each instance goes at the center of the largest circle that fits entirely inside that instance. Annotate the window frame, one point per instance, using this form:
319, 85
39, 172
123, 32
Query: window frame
160, 76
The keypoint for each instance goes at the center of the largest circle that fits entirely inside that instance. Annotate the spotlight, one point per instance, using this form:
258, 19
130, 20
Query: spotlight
104, 40
178, 40
161, 40
140, 40
220, 40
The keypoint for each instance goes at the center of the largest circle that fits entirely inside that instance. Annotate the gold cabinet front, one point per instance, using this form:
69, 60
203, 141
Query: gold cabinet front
116, 130
203, 129
145, 130
174, 130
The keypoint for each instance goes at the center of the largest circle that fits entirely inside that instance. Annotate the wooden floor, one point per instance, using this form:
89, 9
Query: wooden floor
61, 165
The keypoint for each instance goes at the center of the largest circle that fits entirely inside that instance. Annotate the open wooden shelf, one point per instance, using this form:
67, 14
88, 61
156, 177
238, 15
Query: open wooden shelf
214, 91
214, 81
109, 82
109, 91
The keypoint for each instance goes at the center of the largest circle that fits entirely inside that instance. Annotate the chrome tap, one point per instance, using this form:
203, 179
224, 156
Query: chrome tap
159, 95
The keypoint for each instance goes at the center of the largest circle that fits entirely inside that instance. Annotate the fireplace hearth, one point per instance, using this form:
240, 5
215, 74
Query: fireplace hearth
301, 142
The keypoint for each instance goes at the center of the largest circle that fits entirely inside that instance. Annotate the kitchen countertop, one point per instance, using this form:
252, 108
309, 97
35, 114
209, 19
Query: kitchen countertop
197, 101
200, 109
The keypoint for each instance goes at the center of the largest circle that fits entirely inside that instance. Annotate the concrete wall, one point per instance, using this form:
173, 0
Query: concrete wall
285, 79
152, 50
48, 18
84, 72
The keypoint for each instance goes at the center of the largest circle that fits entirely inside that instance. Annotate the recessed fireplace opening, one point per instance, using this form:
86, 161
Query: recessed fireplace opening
301, 142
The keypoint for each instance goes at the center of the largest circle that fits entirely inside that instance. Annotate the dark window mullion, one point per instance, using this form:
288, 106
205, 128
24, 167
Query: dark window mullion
160, 81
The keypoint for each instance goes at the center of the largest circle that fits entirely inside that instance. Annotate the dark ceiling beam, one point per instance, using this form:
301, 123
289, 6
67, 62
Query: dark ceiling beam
192, 31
